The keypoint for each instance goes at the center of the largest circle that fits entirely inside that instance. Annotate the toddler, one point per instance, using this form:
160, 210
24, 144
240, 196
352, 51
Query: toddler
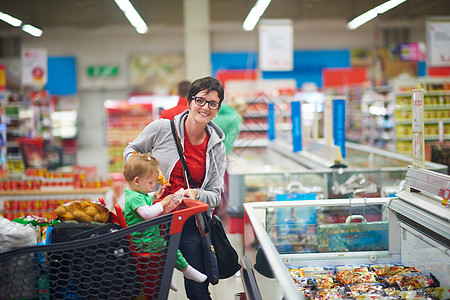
140, 172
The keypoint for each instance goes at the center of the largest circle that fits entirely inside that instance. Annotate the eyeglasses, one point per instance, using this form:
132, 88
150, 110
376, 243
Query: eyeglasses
202, 101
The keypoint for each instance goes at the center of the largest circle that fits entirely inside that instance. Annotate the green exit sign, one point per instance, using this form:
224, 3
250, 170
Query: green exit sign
102, 71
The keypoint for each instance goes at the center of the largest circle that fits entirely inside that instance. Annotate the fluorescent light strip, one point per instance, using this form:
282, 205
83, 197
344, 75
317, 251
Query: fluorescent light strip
30, 29
132, 15
255, 13
371, 14
10, 20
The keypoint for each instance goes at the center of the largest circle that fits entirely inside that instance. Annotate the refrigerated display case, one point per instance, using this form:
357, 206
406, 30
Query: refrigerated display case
262, 174
411, 229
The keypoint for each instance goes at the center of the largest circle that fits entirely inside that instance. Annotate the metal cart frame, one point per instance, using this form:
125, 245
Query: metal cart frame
98, 267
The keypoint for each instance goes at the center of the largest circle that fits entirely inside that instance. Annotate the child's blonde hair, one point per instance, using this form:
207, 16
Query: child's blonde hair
139, 165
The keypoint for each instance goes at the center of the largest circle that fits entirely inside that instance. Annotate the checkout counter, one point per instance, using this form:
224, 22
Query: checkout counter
328, 235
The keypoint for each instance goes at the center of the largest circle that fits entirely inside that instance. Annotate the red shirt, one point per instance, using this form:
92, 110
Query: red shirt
195, 159
181, 106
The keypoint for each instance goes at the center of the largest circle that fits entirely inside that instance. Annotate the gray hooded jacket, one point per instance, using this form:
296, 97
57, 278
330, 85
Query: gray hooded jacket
157, 139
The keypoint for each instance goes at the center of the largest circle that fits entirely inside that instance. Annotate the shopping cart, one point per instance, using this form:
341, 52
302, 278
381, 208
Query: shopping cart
98, 266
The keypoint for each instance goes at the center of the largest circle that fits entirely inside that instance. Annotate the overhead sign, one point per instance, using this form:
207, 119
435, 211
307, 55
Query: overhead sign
438, 42
276, 45
34, 66
103, 71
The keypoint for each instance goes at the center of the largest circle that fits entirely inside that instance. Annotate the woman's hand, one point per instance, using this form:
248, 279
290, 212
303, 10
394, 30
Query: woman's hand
161, 191
190, 193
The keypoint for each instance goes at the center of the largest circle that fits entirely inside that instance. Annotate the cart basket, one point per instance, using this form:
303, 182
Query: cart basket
107, 266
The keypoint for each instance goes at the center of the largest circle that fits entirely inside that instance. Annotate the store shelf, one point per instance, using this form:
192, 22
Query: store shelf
255, 125
55, 192
14, 204
436, 110
124, 123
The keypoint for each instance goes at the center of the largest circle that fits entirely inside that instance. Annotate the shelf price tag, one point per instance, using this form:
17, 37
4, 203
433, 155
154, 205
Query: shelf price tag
418, 139
445, 198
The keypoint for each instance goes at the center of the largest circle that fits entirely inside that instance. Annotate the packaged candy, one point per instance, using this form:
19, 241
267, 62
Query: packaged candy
296, 272
364, 288
414, 281
316, 270
356, 275
161, 179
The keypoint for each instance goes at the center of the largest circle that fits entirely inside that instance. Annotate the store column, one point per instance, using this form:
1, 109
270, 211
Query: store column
197, 39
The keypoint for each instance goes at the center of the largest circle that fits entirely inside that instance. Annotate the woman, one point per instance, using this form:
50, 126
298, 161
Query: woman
205, 156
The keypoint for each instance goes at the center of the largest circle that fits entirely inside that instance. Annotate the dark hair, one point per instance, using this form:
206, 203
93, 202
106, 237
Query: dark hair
183, 88
206, 83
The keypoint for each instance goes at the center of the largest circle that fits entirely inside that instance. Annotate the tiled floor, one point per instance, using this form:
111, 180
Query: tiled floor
224, 290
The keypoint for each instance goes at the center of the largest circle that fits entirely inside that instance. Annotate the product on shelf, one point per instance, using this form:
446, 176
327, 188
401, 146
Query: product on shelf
40, 191
388, 281
124, 123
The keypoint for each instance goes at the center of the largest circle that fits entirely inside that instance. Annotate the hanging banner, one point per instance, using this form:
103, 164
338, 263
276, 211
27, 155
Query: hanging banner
34, 66
438, 42
296, 126
271, 121
339, 124
2, 77
276, 45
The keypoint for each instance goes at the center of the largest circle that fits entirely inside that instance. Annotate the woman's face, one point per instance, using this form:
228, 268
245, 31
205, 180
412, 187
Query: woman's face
202, 113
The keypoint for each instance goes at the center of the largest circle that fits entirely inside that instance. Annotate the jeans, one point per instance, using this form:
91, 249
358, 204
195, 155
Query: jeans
191, 248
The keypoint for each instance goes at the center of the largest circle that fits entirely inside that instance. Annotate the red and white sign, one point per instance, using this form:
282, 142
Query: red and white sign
418, 139
34, 66
276, 45
438, 42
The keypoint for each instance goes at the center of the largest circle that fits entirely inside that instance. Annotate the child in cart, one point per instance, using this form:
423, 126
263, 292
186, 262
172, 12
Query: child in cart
140, 172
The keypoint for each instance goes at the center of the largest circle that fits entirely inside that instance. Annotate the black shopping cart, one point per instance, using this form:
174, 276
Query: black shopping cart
103, 266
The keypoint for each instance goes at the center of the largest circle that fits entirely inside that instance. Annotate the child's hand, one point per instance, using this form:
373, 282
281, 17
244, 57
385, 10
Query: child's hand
161, 191
171, 202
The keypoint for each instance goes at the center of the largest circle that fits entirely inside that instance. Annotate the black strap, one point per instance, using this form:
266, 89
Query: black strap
180, 153
198, 221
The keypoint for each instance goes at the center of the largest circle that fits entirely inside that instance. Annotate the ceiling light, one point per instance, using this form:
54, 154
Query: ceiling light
10, 20
132, 15
371, 14
255, 13
30, 29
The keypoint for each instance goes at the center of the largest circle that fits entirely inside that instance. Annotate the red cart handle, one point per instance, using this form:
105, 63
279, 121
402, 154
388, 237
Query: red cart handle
187, 209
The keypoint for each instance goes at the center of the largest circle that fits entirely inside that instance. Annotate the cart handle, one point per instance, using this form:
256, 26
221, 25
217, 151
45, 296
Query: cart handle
355, 217
188, 208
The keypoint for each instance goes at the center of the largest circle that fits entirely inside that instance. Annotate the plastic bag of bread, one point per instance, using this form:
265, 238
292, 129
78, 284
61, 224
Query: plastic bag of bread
82, 211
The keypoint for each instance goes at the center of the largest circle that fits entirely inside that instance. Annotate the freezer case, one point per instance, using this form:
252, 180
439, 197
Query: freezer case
262, 174
327, 236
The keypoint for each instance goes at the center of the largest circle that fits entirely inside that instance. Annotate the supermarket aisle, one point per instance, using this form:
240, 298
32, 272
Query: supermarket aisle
226, 289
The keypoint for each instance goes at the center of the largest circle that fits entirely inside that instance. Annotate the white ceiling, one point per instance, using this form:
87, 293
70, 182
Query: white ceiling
98, 13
